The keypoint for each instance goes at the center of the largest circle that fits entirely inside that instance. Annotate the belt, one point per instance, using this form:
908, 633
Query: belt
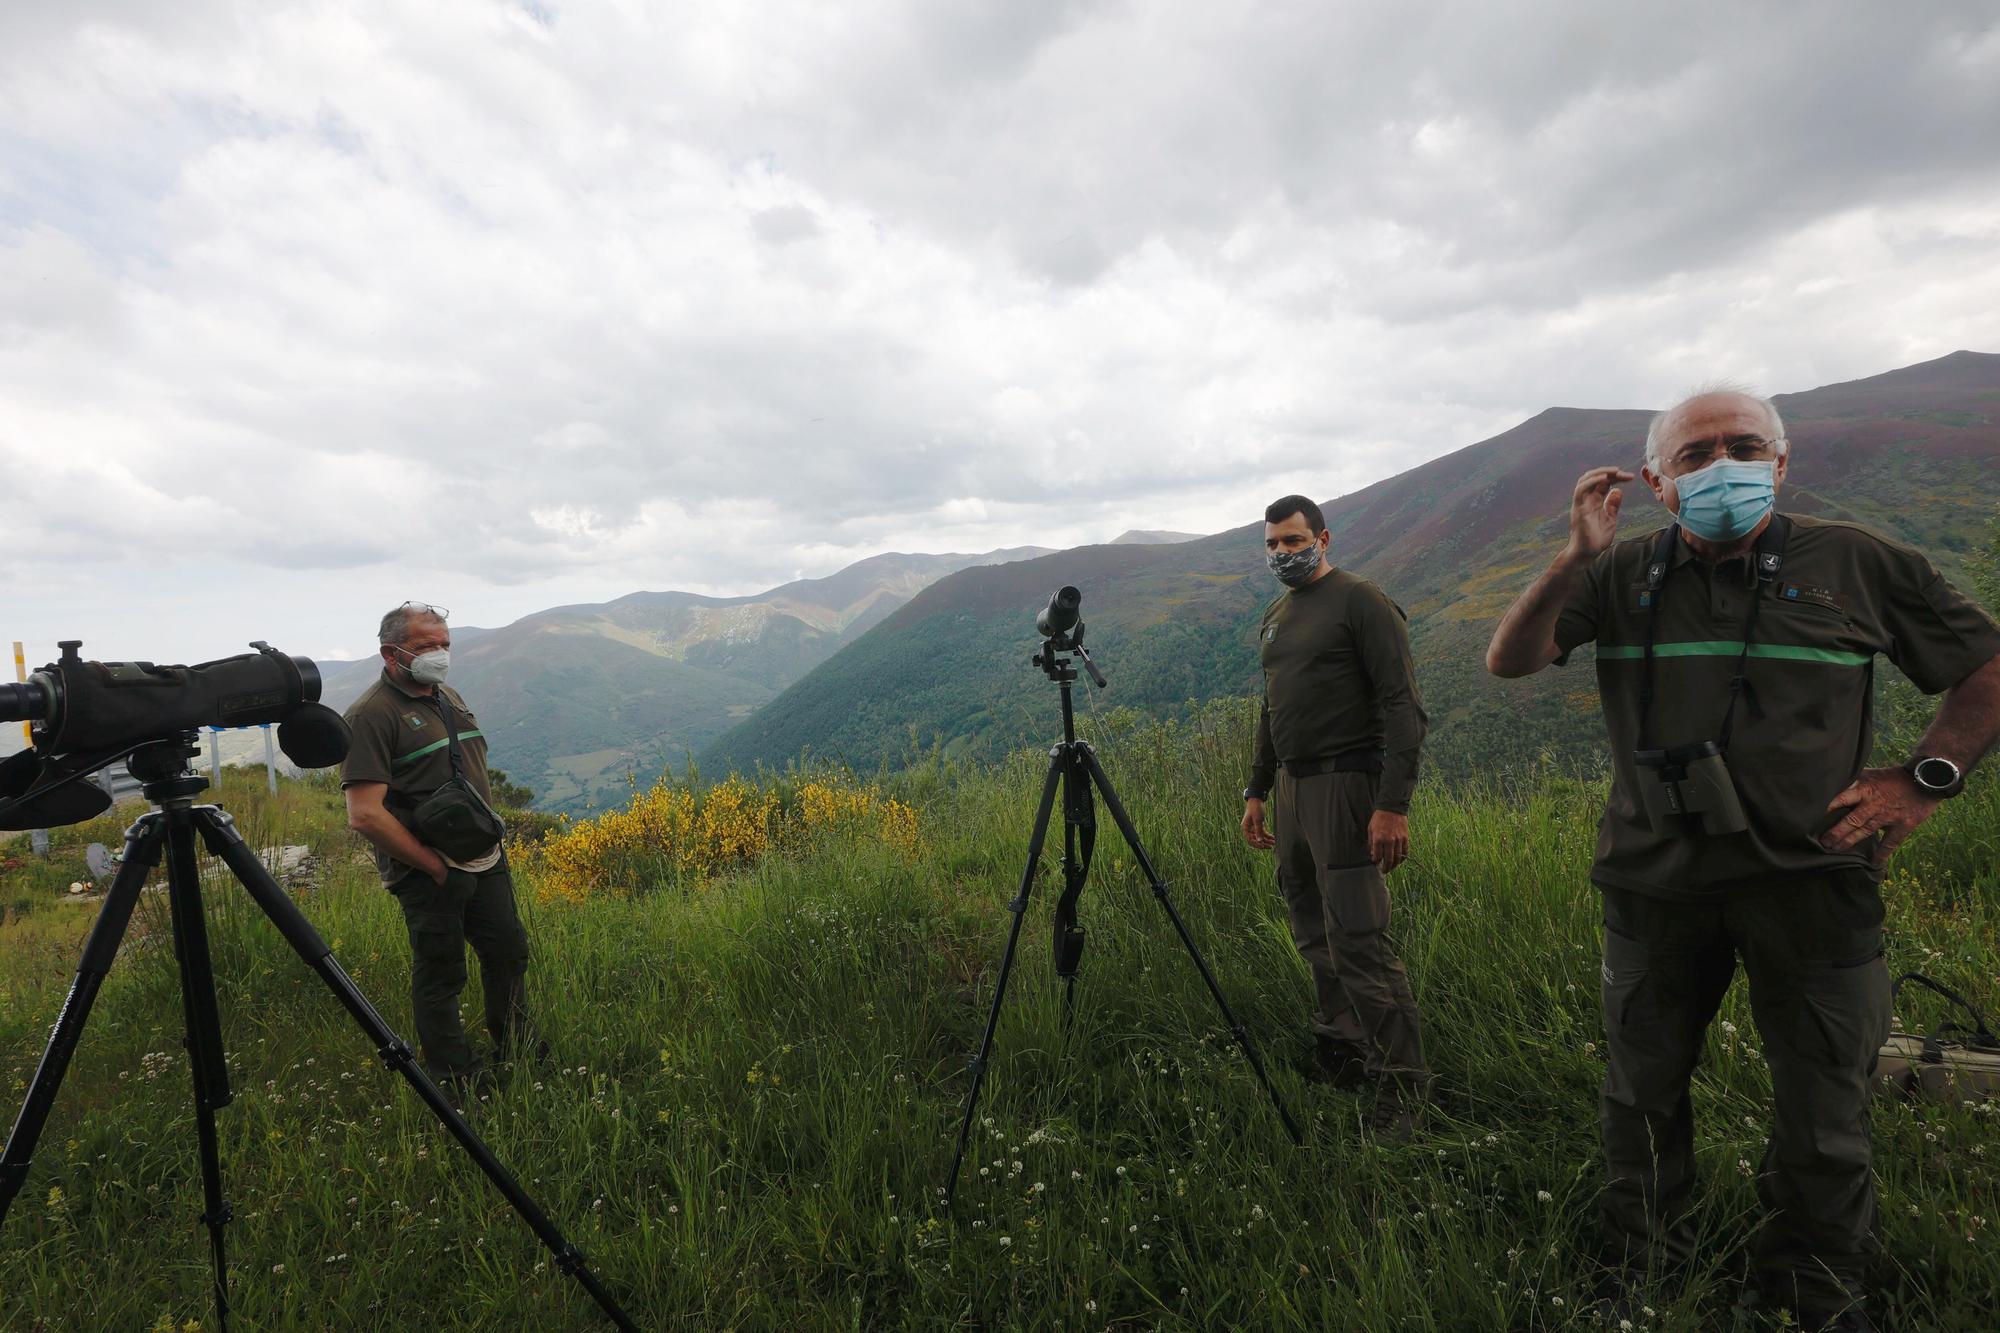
1347, 761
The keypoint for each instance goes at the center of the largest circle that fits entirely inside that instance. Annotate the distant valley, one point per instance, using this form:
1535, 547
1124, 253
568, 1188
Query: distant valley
579, 702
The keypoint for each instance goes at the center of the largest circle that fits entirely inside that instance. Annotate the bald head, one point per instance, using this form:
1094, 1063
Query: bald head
1711, 403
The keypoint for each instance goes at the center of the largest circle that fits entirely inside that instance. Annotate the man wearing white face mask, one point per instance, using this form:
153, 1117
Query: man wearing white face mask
1735, 653
413, 737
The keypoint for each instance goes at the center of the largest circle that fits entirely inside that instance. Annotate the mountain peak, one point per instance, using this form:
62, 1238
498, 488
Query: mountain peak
1153, 537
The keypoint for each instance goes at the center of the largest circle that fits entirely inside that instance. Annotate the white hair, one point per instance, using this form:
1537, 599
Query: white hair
1658, 426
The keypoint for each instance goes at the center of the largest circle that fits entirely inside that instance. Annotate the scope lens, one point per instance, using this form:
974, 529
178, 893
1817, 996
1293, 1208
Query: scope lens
27, 702
1061, 614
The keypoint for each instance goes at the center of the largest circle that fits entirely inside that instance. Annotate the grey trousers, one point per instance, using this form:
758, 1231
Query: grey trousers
1819, 992
1338, 904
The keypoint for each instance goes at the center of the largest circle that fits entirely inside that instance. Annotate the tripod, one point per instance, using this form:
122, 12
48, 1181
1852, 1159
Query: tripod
1073, 765
168, 782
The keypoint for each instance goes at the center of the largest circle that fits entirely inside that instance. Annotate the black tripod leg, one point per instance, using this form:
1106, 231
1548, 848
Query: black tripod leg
1165, 899
142, 853
1019, 907
204, 1037
219, 831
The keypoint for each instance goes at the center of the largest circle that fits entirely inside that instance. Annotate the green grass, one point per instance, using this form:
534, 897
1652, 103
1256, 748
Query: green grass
756, 1088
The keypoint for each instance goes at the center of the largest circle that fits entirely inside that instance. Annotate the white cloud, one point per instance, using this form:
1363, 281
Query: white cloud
306, 309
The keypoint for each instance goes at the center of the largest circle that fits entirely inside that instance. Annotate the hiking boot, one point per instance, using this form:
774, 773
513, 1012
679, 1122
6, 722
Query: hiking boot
533, 1052
1337, 1063
1397, 1111
1620, 1299
1755, 1310
466, 1090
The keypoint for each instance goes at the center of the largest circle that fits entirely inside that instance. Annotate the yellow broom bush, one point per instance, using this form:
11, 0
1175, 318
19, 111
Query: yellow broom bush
673, 834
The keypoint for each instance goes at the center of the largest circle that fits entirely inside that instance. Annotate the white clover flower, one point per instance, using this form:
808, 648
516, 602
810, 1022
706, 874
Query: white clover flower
1544, 1196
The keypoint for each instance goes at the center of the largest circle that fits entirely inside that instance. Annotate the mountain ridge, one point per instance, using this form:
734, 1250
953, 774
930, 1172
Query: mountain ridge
1910, 453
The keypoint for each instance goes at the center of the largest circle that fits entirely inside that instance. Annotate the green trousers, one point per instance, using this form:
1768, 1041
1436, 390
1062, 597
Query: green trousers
1819, 992
1338, 905
442, 919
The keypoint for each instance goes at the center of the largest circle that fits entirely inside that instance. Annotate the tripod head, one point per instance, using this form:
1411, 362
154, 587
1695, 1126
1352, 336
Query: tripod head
165, 769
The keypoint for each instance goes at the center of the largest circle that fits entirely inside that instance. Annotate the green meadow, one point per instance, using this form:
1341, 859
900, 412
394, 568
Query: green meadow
754, 1091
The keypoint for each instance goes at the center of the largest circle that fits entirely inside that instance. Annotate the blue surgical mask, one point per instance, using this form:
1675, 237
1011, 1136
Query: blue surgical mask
1726, 499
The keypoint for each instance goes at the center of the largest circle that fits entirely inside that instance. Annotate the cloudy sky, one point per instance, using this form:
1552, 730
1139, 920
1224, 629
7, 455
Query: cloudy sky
309, 308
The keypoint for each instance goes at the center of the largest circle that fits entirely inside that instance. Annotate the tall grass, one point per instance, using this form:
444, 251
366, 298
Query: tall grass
755, 1091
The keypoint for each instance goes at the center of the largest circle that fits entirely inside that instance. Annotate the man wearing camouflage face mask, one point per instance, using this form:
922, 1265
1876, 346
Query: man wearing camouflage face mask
1338, 739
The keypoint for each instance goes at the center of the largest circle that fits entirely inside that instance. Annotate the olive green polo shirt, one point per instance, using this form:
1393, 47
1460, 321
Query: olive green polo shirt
398, 738
1803, 729
1338, 678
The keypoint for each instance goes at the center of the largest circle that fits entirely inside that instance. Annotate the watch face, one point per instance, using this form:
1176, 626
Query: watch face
1935, 774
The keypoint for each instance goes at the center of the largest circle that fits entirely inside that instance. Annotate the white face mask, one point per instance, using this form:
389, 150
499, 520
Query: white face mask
429, 668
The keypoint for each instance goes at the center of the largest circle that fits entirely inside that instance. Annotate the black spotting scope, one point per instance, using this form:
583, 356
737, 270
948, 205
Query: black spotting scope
83, 715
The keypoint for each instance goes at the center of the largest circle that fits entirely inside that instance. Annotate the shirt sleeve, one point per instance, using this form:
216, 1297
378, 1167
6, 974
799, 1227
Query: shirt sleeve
1937, 635
1264, 760
1392, 673
368, 757
1578, 621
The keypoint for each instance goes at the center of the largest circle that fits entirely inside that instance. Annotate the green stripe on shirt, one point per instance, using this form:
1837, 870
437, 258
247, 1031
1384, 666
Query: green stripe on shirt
435, 746
1786, 652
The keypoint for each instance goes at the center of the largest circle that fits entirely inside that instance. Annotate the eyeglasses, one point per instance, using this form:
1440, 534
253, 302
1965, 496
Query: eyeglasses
1744, 449
425, 609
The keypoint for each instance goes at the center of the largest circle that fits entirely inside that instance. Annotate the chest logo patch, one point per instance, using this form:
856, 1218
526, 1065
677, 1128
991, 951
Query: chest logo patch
1812, 596
416, 721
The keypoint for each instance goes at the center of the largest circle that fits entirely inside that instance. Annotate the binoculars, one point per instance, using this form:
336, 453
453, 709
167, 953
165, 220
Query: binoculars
1692, 791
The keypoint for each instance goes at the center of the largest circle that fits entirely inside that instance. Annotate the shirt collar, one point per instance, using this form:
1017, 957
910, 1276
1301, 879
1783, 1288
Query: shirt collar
1745, 564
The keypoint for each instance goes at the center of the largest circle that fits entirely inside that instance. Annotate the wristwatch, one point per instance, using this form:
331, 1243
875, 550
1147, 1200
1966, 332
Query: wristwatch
1936, 777
1252, 794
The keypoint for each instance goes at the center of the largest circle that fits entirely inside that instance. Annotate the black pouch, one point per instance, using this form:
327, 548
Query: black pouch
457, 823
454, 819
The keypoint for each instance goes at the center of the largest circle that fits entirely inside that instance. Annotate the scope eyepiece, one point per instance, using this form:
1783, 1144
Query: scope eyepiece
32, 701
1060, 616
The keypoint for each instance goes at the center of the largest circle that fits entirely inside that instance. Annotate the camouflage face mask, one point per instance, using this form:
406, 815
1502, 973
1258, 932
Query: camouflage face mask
1295, 568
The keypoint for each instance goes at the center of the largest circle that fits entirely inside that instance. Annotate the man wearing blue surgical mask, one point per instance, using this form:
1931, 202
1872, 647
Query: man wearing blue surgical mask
1735, 661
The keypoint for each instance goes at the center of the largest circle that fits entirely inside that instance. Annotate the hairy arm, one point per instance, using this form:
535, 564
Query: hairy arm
1887, 801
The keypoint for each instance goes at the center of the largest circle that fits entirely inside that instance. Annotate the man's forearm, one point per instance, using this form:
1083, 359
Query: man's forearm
1264, 757
1524, 642
387, 834
1967, 724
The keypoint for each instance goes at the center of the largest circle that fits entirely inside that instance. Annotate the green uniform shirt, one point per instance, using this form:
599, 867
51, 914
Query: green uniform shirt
399, 738
1802, 731
1338, 678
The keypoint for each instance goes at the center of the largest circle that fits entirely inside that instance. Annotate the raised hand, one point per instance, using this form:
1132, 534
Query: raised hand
1593, 510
